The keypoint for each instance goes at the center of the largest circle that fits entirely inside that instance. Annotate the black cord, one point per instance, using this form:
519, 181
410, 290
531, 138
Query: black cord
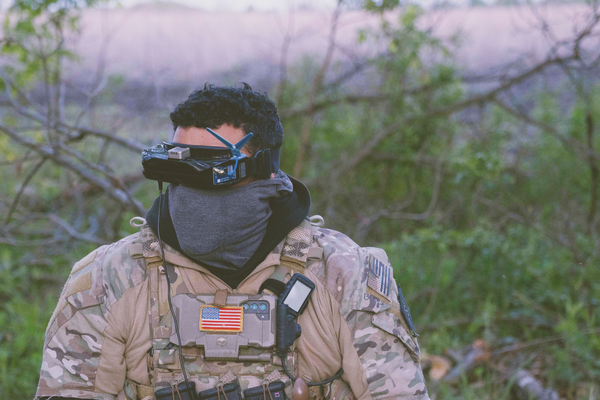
293, 378
175, 323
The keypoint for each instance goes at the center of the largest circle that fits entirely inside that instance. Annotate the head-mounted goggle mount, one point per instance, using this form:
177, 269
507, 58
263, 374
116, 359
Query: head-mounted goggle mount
207, 167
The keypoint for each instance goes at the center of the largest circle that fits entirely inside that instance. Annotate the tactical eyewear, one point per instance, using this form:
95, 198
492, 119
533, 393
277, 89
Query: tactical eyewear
207, 167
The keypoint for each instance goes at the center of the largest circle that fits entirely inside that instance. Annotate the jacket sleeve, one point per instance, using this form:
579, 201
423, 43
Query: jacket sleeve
79, 335
373, 329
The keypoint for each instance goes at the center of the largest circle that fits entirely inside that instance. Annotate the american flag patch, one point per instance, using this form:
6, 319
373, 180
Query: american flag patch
225, 319
380, 276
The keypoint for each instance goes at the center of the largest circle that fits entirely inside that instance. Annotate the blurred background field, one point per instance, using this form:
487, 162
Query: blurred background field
462, 138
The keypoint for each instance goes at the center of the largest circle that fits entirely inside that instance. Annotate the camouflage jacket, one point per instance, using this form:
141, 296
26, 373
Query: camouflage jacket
107, 337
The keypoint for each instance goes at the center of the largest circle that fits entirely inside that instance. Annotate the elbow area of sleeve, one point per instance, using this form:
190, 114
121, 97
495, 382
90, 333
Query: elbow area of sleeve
385, 352
71, 357
112, 367
110, 376
76, 394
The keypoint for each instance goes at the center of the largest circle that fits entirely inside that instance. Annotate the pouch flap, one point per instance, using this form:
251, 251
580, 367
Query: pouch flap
391, 324
84, 289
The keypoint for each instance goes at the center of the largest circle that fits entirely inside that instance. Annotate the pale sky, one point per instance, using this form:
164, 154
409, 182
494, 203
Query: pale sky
227, 5
263, 5
258, 5
243, 5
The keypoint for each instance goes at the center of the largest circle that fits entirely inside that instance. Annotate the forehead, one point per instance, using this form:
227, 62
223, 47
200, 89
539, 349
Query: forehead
201, 137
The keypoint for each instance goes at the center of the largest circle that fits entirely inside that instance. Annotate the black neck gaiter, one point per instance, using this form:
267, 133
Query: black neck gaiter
288, 211
224, 227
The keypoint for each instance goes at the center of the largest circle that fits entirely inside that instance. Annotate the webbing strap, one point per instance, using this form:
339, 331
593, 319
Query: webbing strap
279, 273
276, 282
294, 256
142, 391
154, 319
158, 334
295, 249
221, 298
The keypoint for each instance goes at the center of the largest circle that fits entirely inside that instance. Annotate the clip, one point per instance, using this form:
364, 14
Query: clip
235, 148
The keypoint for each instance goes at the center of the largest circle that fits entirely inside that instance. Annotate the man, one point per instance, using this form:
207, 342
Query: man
113, 334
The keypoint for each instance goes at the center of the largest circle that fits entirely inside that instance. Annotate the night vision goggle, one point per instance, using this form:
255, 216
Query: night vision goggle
207, 167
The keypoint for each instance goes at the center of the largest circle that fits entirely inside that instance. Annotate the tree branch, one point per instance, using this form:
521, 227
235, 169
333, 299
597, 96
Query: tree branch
569, 143
46, 151
432, 202
589, 122
78, 133
71, 231
317, 85
31, 174
495, 92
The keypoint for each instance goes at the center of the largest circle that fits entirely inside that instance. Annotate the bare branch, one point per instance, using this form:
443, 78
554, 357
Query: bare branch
569, 143
31, 174
317, 86
524, 220
73, 232
74, 133
283, 59
486, 97
351, 99
539, 341
595, 174
323, 104
80, 133
30, 243
46, 151
369, 147
432, 202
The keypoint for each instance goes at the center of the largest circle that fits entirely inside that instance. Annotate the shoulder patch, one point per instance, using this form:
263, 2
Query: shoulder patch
76, 291
79, 284
380, 276
121, 271
84, 262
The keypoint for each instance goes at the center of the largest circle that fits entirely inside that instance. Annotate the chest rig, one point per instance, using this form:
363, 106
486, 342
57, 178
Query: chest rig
253, 367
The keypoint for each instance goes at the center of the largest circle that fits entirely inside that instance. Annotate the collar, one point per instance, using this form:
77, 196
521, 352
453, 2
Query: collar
288, 212
152, 253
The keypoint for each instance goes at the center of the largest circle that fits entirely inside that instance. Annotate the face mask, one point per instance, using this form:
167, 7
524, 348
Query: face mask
224, 227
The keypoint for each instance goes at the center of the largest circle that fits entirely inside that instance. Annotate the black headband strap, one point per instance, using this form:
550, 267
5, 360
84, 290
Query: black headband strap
275, 159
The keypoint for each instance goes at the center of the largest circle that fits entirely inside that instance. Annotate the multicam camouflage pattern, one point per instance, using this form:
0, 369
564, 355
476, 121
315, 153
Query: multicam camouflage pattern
166, 369
76, 332
393, 371
296, 245
75, 339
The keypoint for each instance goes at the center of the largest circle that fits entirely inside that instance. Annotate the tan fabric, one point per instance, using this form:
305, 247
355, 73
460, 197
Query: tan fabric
315, 253
136, 250
142, 391
326, 343
221, 298
127, 342
84, 282
84, 262
102, 336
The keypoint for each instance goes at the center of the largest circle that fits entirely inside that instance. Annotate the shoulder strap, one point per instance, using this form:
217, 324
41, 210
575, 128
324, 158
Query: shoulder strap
296, 247
294, 254
150, 245
148, 249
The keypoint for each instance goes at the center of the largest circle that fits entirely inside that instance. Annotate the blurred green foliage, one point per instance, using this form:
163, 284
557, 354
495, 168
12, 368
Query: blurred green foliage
506, 253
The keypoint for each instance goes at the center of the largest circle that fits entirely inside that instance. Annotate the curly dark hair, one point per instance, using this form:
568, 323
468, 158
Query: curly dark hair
244, 108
